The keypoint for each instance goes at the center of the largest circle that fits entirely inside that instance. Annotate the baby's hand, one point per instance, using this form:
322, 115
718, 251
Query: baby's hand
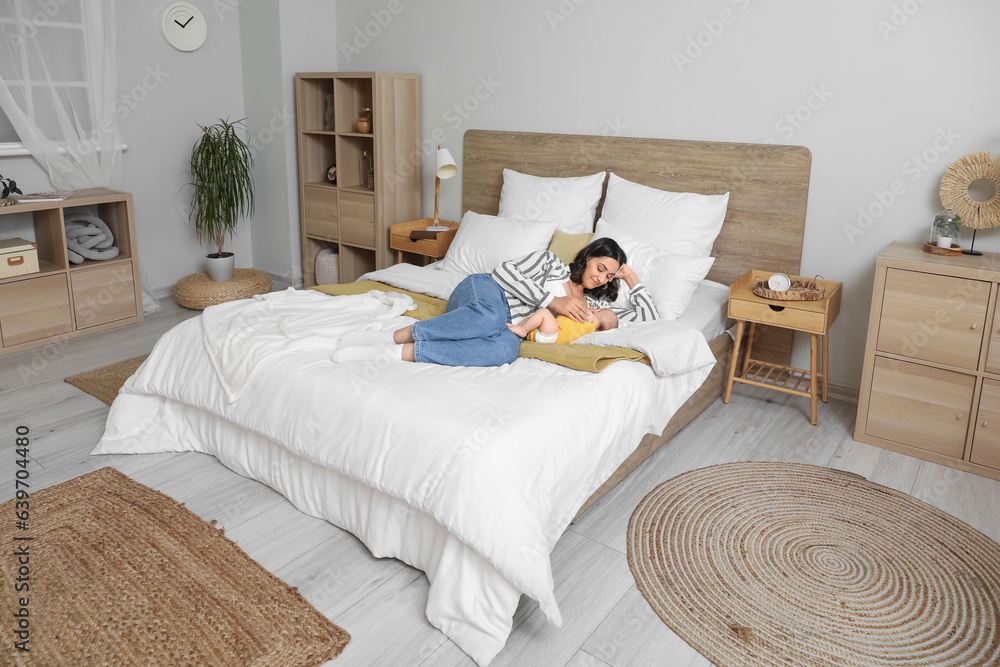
518, 329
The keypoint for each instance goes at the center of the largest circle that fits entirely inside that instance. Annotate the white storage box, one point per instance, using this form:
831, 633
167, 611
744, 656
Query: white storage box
17, 257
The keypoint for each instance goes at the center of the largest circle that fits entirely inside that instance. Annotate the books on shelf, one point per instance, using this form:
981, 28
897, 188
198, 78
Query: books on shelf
56, 195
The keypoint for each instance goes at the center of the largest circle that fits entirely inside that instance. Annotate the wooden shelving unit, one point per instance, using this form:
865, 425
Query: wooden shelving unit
349, 216
63, 300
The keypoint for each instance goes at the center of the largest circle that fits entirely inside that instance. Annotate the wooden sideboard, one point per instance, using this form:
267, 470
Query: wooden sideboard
63, 300
931, 381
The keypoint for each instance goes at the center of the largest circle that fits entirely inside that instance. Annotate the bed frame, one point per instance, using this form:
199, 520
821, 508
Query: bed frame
768, 186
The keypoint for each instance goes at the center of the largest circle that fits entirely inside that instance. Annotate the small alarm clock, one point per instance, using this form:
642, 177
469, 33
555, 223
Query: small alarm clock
779, 282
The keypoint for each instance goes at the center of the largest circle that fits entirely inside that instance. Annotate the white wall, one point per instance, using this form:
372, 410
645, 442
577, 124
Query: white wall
879, 95
168, 94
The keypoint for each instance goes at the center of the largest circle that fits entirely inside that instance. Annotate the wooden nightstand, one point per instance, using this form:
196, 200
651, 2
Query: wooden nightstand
434, 248
812, 317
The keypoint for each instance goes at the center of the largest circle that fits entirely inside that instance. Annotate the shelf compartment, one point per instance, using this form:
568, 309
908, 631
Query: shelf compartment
350, 96
351, 150
318, 155
311, 248
313, 103
354, 262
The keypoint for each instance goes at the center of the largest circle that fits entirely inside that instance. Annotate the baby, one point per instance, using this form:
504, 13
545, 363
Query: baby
544, 327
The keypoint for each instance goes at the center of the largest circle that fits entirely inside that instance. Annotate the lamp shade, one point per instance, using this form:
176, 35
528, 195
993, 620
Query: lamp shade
446, 167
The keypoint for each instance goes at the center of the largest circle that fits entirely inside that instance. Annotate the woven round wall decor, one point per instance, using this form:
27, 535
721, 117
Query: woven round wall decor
955, 190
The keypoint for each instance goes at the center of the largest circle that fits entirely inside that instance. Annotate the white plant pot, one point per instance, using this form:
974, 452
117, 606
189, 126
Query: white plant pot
944, 242
220, 268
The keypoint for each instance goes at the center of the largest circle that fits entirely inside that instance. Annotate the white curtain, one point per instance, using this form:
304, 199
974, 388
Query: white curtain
58, 84
58, 88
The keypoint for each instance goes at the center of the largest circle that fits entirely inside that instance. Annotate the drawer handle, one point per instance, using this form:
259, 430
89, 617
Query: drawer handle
959, 417
372, 221
986, 423
974, 326
17, 260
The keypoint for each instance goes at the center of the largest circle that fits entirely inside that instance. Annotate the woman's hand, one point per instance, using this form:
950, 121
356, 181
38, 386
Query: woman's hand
626, 273
571, 307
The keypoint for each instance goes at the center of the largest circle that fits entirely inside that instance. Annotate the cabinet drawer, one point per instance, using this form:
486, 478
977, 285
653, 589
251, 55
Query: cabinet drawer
789, 317
34, 309
986, 444
920, 406
321, 213
103, 295
357, 219
933, 318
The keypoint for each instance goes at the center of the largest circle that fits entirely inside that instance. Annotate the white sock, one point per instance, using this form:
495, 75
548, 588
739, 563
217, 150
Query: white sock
389, 351
365, 337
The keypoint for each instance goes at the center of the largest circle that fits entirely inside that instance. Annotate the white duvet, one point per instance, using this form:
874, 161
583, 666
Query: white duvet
463, 472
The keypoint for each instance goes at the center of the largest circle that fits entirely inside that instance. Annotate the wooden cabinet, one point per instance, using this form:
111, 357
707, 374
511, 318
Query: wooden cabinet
63, 299
931, 380
353, 213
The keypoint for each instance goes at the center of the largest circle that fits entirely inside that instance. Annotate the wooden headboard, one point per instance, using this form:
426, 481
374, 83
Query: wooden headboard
768, 186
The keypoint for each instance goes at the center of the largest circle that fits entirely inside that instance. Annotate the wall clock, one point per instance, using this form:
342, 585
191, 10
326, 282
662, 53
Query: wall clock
182, 26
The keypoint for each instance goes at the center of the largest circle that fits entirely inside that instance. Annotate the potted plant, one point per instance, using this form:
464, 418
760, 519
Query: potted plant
946, 228
222, 182
9, 187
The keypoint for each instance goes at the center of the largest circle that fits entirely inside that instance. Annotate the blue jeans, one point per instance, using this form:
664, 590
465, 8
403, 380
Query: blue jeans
473, 331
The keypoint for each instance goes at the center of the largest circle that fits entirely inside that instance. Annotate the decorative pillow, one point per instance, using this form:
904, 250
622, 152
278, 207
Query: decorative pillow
570, 201
682, 223
566, 246
670, 279
484, 241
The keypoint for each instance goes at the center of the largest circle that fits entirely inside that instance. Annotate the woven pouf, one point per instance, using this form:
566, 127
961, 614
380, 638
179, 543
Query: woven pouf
197, 291
787, 564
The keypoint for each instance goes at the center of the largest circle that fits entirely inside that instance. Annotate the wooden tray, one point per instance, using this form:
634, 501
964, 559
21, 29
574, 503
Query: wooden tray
954, 250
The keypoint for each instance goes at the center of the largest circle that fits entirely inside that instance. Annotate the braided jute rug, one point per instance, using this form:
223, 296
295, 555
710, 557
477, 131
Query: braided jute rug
104, 382
120, 574
789, 564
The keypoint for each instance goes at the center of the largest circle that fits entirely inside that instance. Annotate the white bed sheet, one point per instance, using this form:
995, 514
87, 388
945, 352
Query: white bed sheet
280, 433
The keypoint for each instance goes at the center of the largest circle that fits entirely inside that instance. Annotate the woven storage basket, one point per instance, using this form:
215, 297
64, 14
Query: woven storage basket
800, 290
326, 267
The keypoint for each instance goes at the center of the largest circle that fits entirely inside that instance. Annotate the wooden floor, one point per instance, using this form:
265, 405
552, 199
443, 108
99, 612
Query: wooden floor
381, 601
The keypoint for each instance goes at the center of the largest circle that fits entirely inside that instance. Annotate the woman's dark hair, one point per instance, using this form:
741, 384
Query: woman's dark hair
604, 247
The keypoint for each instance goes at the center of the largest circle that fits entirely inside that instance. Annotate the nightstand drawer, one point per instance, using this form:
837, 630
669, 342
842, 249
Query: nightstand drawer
789, 317
321, 213
357, 219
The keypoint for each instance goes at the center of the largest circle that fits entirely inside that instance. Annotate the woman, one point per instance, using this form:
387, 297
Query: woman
473, 331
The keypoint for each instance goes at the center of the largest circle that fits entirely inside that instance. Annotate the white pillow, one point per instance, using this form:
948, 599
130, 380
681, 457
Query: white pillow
484, 241
670, 279
682, 223
570, 201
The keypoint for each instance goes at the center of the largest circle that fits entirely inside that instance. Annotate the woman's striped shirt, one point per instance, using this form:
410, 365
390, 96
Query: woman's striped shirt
523, 279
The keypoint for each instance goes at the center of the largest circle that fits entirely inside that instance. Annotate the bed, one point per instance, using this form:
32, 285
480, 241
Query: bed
464, 494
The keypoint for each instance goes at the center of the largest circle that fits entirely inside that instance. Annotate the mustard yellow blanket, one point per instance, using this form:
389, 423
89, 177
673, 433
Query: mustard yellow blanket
592, 358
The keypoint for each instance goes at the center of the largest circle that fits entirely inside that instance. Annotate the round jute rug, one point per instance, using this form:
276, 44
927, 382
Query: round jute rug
788, 564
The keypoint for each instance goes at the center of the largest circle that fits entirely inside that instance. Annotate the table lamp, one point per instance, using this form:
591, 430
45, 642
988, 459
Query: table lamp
446, 168
969, 188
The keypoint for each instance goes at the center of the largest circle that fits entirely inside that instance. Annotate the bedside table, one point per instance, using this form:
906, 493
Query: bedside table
435, 248
811, 317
